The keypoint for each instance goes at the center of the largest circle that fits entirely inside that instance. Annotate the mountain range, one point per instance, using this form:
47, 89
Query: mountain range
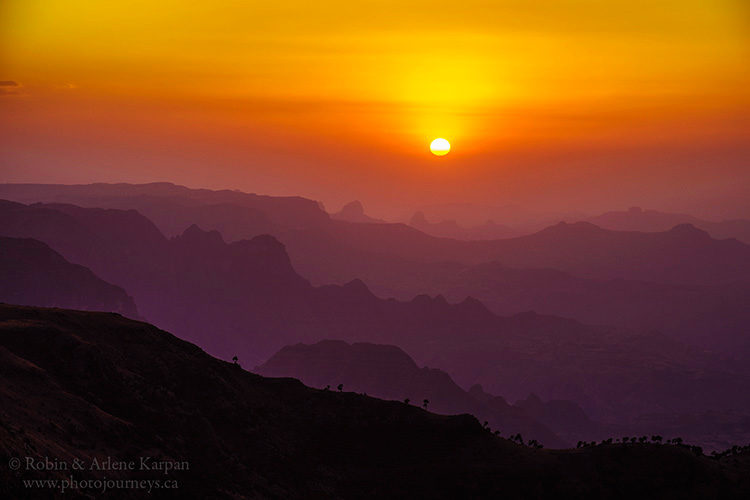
712, 317
246, 299
32, 273
490, 230
91, 385
326, 250
638, 219
680, 282
387, 372
249, 298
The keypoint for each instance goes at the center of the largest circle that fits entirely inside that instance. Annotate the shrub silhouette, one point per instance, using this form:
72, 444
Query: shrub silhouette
235, 360
340, 387
425, 403
406, 401
535, 444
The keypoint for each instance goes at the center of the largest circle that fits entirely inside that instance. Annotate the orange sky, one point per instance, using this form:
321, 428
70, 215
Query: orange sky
577, 104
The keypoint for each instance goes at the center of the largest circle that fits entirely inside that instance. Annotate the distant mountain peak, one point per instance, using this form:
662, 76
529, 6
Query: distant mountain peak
358, 287
268, 241
422, 299
689, 229
353, 208
354, 211
476, 389
194, 234
473, 305
303, 360
440, 299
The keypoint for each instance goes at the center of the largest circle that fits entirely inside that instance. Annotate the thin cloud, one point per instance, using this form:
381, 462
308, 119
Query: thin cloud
9, 87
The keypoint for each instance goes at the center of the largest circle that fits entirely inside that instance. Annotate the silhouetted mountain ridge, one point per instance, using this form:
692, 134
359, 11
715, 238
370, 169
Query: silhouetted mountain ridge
452, 229
387, 372
638, 219
391, 257
355, 212
713, 317
174, 208
245, 298
31, 273
89, 385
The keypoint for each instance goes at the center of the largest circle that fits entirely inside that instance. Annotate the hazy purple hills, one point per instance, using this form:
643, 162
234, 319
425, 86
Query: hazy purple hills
524, 219
638, 219
387, 372
672, 304
385, 256
246, 299
466, 221
452, 229
31, 273
166, 204
196, 282
713, 317
86, 385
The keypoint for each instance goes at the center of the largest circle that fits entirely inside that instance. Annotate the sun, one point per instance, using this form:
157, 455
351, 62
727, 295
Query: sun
440, 147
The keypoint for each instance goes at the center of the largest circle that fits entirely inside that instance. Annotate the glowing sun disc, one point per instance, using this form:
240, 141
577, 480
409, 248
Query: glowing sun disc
440, 147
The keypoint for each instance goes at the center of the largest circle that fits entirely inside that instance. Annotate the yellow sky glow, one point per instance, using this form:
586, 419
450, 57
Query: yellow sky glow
385, 76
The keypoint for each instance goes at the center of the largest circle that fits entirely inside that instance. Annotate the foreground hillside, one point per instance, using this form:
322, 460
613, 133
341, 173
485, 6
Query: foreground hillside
84, 385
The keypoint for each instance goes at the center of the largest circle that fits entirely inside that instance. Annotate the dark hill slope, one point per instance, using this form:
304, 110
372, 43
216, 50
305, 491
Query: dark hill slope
387, 372
87, 385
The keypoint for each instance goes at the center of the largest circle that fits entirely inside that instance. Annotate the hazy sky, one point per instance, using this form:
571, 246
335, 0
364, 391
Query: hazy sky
567, 104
